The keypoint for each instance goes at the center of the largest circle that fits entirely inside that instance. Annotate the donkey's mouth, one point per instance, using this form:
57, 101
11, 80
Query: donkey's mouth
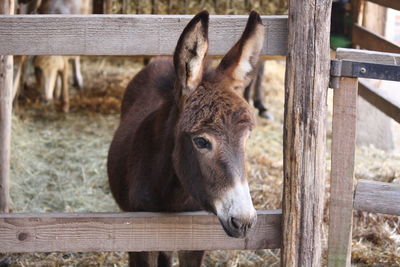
237, 228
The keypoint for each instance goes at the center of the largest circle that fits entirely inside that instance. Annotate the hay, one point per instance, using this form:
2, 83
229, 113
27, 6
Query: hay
231, 7
59, 164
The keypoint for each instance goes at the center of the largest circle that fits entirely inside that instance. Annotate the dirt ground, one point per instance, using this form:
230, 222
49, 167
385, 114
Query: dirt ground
59, 164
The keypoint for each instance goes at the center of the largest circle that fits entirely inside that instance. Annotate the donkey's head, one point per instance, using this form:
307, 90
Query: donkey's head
215, 122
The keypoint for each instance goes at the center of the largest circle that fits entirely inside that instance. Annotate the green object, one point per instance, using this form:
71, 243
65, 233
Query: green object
339, 41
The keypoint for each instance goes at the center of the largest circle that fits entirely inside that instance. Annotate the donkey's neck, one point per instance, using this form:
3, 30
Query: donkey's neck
164, 185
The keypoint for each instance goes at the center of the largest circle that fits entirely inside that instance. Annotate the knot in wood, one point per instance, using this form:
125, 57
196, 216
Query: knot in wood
22, 236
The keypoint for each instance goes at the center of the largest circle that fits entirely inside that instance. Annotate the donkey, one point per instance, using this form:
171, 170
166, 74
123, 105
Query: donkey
49, 68
47, 71
180, 145
256, 89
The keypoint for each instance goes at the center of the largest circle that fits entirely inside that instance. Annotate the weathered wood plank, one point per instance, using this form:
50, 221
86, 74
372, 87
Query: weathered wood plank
374, 96
6, 85
68, 232
307, 76
395, 4
342, 172
377, 197
371, 41
368, 56
125, 34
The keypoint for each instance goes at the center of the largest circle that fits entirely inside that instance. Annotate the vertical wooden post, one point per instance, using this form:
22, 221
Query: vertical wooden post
306, 85
356, 6
125, 7
342, 172
247, 5
6, 85
185, 6
98, 7
109, 4
137, 6
169, 8
154, 6
216, 4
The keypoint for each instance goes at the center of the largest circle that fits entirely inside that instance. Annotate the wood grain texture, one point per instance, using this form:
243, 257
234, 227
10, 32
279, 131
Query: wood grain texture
68, 232
377, 197
374, 18
342, 172
368, 56
306, 84
395, 4
6, 85
125, 34
371, 41
390, 107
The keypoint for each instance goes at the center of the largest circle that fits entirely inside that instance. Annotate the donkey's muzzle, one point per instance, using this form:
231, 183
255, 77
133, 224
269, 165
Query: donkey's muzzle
239, 227
235, 210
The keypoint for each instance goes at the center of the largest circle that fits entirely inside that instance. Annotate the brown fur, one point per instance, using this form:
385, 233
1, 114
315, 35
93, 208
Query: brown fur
49, 68
154, 163
47, 71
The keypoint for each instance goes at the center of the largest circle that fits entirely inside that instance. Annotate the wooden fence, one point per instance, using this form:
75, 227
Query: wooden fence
346, 194
304, 143
125, 34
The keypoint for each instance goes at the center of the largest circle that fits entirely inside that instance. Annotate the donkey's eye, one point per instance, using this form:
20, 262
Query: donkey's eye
202, 143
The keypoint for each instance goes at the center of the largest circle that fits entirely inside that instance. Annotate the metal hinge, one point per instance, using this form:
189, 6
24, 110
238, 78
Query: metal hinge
356, 69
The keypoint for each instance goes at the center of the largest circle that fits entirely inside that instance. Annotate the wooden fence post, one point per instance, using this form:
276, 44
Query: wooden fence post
306, 85
169, 8
138, 6
342, 172
98, 7
154, 6
109, 4
6, 85
125, 9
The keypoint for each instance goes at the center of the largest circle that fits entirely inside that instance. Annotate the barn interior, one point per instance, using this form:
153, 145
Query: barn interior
58, 160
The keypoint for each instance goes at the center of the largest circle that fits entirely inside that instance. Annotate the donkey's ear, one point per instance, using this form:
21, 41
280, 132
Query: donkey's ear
240, 63
190, 53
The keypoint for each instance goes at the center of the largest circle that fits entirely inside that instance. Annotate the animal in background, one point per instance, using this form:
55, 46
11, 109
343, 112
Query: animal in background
50, 70
255, 90
47, 71
180, 145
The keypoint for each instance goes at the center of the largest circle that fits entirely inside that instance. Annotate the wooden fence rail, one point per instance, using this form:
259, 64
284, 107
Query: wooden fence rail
374, 96
73, 232
377, 197
395, 4
368, 56
372, 41
125, 34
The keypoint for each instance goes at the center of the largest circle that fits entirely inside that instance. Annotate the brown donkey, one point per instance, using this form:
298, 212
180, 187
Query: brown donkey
181, 141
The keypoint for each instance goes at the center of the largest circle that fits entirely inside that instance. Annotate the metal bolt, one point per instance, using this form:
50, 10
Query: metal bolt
363, 70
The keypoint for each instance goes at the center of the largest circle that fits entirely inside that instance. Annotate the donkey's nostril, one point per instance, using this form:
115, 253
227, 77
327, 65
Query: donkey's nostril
235, 223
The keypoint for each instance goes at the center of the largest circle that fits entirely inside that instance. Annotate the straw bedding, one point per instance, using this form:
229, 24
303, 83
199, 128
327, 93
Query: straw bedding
59, 164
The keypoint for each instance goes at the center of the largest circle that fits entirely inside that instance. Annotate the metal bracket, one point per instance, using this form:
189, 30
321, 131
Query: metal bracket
356, 69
